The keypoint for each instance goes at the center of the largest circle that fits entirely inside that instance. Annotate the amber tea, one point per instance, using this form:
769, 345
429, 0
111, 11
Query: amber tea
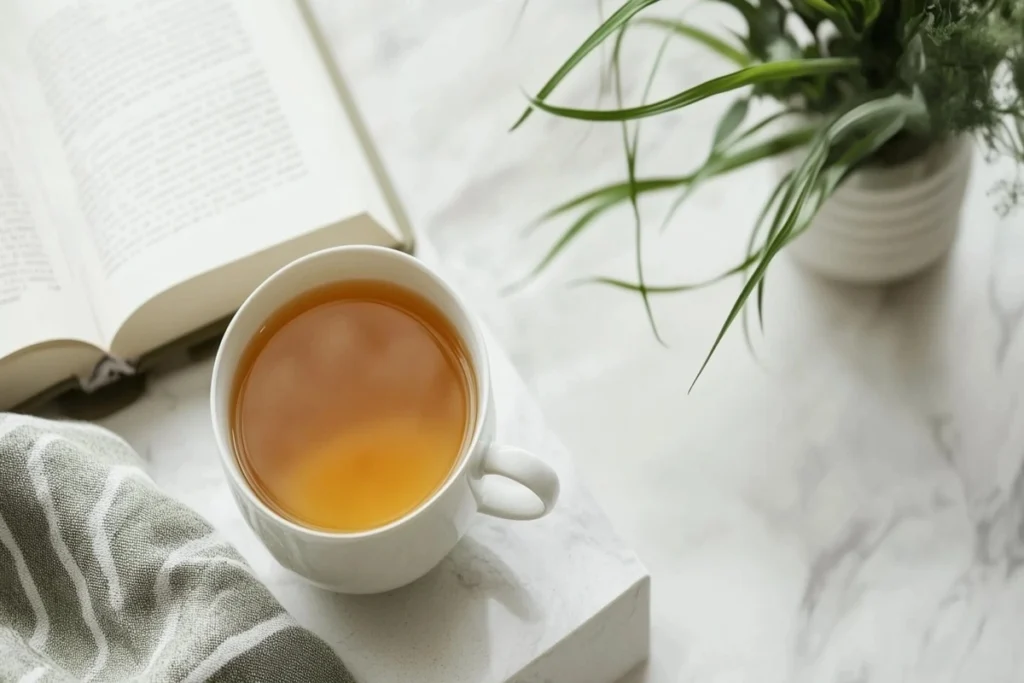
351, 406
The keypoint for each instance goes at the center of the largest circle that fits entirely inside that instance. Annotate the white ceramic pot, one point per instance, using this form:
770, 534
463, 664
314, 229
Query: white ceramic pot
886, 224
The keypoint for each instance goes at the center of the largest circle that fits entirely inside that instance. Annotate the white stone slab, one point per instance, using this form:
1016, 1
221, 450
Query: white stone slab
560, 599
845, 506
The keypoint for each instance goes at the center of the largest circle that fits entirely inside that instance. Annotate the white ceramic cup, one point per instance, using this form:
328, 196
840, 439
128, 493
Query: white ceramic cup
395, 554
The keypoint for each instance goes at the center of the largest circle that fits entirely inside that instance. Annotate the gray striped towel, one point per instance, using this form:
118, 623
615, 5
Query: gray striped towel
105, 578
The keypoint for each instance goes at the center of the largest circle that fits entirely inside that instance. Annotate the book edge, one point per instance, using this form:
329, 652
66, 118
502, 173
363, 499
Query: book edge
71, 399
370, 152
603, 649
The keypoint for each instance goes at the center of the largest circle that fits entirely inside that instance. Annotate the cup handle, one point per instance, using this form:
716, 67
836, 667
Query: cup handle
533, 498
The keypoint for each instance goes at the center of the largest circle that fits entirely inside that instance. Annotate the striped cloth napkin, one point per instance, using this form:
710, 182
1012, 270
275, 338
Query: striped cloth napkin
105, 578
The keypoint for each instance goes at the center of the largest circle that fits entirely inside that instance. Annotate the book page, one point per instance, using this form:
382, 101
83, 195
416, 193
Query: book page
40, 299
194, 133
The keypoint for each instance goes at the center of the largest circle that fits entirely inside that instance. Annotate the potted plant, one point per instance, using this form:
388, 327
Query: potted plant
877, 100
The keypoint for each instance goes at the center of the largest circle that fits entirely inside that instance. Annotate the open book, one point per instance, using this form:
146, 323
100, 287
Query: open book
158, 160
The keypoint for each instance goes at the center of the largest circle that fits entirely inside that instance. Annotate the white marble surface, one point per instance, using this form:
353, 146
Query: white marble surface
559, 599
846, 508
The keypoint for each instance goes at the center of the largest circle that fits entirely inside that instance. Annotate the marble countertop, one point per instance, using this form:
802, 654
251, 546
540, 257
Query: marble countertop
845, 507
556, 600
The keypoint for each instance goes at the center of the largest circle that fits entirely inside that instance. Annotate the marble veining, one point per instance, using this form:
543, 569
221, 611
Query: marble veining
844, 507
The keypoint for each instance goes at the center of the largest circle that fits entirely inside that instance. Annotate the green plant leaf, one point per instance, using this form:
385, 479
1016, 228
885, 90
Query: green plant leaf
716, 44
567, 237
615, 191
803, 186
670, 289
630, 147
799, 187
788, 191
743, 40
702, 174
607, 196
847, 9
767, 255
519, 15
745, 8
838, 17
789, 194
912, 17
727, 125
604, 76
764, 123
864, 148
751, 75
810, 18
730, 121
765, 26
807, 186
913, 61
777, 144
880, 109
609, 26
872, 8
781, 191
752, 257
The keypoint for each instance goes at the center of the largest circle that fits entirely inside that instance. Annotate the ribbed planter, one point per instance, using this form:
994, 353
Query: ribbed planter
886, 224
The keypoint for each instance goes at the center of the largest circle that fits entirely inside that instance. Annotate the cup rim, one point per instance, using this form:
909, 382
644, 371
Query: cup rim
475, 347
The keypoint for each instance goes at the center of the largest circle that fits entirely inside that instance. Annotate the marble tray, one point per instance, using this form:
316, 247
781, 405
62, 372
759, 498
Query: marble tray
560, 599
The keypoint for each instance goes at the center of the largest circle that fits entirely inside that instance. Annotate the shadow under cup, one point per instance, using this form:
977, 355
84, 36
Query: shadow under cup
352, 405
